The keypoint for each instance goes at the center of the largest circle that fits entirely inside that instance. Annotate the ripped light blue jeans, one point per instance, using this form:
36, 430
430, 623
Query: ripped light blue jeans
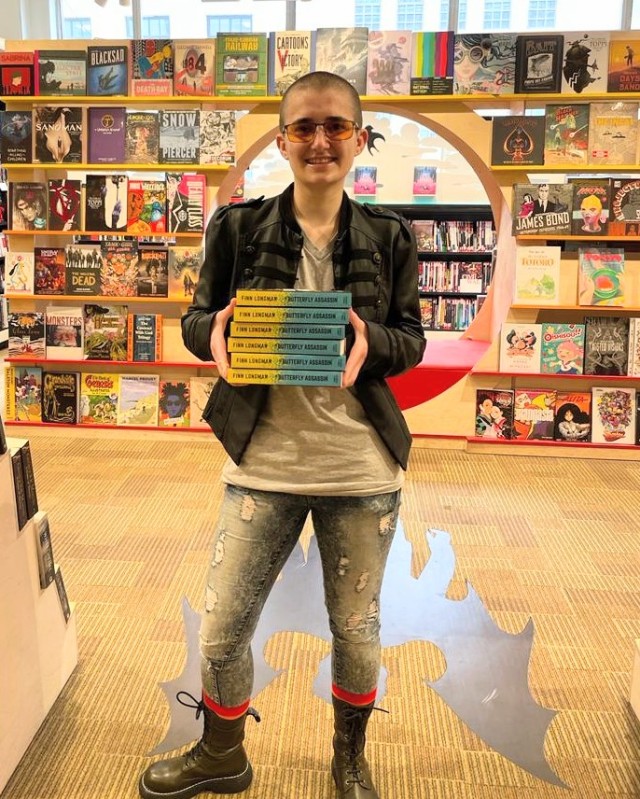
255, 535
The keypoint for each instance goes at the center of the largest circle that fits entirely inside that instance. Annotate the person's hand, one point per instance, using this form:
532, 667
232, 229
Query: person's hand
217, 342
359, 350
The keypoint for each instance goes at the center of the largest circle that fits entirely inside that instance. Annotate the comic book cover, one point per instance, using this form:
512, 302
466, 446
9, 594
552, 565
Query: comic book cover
27, 206
601, 277
241, 64
291, 55
613, 133
624, 219
425, 182
16, 138
174, 404
19, 273
153, 272
186, 195
344, 51
432, 62
26, 334
217, 137
542, 208
83, 264
145, 337
106, 128
152, 67
99, 398
28, 393
107, 70
633, 355
364, 180
566, 137
624, 65
105, 332
194, 70
142, 137
606, 349
60, 397
184, 270
520, 347
537, 280
200, 389
16, 74
65, 209
586, 63
389, 62
539, 60
613, 416
562, 349
590, 211
517, 140
120, 265
484, 63
62, 72
105, 203
179, 137
572, 418
49, 275
58, 134
138, 400
533, 414
64, 338
494, 413
147, 207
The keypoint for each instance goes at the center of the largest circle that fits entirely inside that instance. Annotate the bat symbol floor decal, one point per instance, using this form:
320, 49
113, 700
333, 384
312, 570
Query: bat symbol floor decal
486, 679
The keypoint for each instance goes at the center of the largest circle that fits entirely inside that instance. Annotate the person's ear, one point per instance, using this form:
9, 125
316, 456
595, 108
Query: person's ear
282, 146
363, 135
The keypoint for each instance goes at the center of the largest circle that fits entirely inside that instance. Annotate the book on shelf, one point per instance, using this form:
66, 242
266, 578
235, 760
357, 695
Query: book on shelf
60, 397
142, 137
186, 196
151, 67
613, 416
30, 490
19, 273
179, 137
365, 180
344, 51
16, 139
58, 134
537, 275
64, 332
65, 204
294, 298
425, 180
27, 205
184, 271
562, 348
613, 133
152, 273
17, 74
585, 63
517, 140
146, 207
241, 64
542, 208
83, 264
49, 272
291, 55
194, 67
107, 70
99, 398
624, 218
606, 345
174, 404
601, 276
566, 134
533, 414
62, 593
217, 136
432, 62
284, 377
279, 330
299, 316
484, 63
494, 413
61, 72
19, 489
26, 331
520, 347
105, 332
539, 59
23, 393
624, 68
44, 548
144, 337
120, 265
106, 133
590, 211
572, 416
389, 62
3, 438
138, 400
633, 355
200, 389
283, 346
105, 208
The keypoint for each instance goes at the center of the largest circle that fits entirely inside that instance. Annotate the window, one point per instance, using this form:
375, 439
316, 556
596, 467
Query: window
497, 15
152, 28
368, 14
444, 15
462, 15
542, 14
239, 23
77, 28
410, 14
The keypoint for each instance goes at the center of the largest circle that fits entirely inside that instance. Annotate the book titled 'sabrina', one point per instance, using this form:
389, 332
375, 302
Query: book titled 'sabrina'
284, 377
286, 346
294, 298
257, 330
253, 360
325, 316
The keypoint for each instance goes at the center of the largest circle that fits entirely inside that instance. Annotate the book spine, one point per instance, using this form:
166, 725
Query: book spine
284, 377
19, 488
256, 330
3, 438
299, 316
45, 549
130, 344
331, 363
62, 594
294, 298
29, 480
158, 323
286, 346
9, 393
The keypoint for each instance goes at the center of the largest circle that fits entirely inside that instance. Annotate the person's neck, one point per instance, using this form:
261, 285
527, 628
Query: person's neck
318, 213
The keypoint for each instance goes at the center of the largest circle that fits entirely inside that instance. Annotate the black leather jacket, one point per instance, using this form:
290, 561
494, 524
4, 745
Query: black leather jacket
258, 244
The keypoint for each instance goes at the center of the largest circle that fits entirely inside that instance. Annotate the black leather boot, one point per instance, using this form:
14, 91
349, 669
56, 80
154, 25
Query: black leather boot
349, 766
217, 763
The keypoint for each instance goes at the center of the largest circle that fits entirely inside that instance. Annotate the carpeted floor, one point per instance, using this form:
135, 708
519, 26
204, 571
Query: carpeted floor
551, 539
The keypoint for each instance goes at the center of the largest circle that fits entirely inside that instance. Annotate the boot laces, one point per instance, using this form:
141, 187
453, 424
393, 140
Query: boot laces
354, 737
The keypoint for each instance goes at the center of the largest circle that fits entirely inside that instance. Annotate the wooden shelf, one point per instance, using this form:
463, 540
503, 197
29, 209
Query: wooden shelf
93, 362
10, 423
540, 443
599, 308
552, 375
567, 237
123, 167
113, 233
91, 298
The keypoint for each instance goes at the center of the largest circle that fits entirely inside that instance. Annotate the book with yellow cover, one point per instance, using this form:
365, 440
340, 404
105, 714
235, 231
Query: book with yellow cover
286, 346
275, 331
252, 360
284, 377
301, 316
294, 298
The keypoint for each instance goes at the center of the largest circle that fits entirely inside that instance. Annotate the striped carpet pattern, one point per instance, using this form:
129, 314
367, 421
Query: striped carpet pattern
551, 539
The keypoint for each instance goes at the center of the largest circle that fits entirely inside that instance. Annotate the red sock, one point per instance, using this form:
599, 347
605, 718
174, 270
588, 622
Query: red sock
229, 713
358, 700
